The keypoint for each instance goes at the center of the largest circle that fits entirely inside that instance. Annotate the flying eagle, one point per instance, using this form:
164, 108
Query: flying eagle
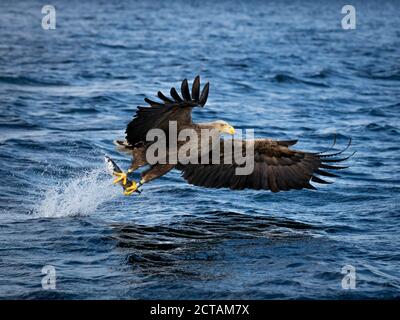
276, 166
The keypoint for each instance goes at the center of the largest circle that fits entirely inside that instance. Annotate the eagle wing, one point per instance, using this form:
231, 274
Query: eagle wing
159, 114
276, 168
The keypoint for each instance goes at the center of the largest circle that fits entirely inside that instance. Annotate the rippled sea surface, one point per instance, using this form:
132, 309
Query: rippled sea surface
286, 69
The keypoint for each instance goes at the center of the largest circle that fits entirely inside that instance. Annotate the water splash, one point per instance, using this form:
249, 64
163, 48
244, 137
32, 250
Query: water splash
78, 196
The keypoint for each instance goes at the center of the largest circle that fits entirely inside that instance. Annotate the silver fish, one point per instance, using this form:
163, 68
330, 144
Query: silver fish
111, 165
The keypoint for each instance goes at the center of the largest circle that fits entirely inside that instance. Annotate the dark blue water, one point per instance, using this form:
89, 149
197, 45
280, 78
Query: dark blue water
286, 69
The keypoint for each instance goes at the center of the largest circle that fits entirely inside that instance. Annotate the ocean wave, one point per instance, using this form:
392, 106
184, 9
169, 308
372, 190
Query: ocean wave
373, 126
326, 73
381, 75
24, 80
209, 226
285, 78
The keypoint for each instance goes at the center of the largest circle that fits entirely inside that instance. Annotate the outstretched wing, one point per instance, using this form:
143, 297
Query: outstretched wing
158, 114
276, 168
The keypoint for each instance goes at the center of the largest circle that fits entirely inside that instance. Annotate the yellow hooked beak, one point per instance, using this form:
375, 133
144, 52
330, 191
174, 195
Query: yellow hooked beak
230, 130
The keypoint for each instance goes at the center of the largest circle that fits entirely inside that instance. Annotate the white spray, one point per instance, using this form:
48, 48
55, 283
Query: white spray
77, 196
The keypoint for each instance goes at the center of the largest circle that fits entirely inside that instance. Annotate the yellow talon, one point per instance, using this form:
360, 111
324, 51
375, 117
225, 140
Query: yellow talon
121, 176
129, 190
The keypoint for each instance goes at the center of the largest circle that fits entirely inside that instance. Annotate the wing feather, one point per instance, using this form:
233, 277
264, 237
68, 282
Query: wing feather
185, 91
196, 89
276, 168
159, 114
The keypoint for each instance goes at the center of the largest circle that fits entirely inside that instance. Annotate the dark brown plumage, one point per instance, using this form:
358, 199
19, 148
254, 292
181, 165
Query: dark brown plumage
159, 114
276, 166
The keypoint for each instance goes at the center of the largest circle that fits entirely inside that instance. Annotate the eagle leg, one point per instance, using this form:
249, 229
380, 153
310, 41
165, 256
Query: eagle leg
132, 188
121, 176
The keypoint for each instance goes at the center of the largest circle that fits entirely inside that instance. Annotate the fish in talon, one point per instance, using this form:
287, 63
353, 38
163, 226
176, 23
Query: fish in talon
131, 189
120, 177
129, 186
